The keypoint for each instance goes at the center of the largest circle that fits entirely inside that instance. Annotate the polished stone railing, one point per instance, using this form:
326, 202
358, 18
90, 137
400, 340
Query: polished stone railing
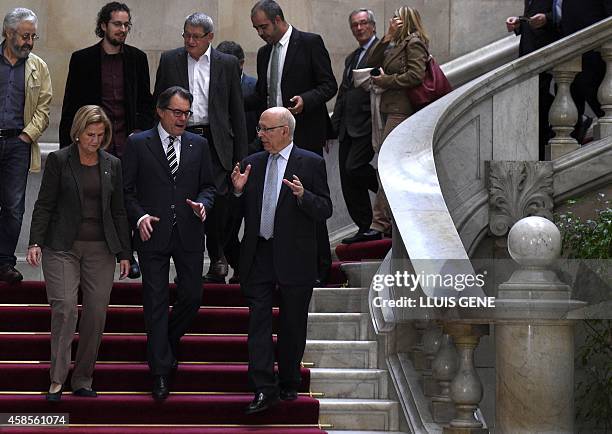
433, 170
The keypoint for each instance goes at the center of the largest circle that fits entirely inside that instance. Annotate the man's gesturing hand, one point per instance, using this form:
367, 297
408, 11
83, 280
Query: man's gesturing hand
239, 180
296, 186
146, 227
197, 208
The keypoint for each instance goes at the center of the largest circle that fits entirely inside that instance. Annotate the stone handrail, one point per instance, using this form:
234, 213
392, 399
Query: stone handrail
432, 224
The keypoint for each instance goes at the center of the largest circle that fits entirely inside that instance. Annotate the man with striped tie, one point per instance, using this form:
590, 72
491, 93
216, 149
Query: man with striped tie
169, 190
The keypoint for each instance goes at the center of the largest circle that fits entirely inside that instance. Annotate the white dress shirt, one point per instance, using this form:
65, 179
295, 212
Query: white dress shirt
283, 45
199, 86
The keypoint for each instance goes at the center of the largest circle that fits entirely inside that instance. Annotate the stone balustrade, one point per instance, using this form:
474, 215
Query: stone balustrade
563, 114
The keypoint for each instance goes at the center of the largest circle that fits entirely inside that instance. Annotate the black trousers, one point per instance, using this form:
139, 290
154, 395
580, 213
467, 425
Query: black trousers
259, 290
164, 330
217, 224
357, 178
586, 84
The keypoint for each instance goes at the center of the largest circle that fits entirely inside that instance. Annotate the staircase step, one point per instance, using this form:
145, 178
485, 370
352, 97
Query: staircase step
135, 377
212, 348
349, 383
177, 409
339, 300
360, 414
341, 354
338, 326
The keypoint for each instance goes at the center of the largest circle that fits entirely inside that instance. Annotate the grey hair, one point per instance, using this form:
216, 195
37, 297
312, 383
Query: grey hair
288, 117
368, 11
200, 19
15, 17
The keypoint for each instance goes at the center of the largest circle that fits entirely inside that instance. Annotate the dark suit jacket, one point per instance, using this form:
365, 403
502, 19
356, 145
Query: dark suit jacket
352, 113
579, 14
295, 240
57, 213
307, 72
84, 86
150, 189
225, 103
248, 83
534, 39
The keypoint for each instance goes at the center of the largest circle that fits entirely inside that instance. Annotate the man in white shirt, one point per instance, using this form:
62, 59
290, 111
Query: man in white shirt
218, 115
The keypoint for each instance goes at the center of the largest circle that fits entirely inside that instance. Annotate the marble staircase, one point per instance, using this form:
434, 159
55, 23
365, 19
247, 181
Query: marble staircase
342, 346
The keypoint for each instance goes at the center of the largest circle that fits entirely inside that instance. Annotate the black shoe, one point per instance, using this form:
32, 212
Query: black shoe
85, 393
288, 395
582, 129
359, 237
55, 396
216, 272
261, 402
9, 274
134, 272
235, 278
160, 387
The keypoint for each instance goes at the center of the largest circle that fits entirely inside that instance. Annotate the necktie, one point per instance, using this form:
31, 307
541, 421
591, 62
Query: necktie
268, 206
171, 156
557, 12
273, 83
354, 63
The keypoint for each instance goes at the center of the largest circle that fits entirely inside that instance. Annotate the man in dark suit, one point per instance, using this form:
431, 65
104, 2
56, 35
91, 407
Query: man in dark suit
232, 247
169, 190
537, 30
576, 15
294, 71
218, 115
352, 123
114, 76
283, 195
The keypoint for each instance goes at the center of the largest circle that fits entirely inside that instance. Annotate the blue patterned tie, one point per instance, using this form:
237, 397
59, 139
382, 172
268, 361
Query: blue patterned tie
268, 206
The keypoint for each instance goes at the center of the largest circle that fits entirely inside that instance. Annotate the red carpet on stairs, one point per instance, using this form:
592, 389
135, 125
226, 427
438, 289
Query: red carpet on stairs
368, 250
208, 394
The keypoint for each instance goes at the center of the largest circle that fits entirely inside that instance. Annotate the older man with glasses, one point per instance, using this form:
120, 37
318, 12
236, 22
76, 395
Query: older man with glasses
25, 94
213, 78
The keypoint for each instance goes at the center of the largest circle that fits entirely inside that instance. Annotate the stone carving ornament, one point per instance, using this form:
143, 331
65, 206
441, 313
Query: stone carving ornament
518, 189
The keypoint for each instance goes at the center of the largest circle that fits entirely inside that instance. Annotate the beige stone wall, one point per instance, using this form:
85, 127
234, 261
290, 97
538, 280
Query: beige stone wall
455, 26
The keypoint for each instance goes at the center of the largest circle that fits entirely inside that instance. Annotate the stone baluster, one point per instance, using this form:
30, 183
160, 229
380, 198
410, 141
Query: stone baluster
466, 388
444, 368
431, 344
534, 342
417, 355
563, 113
604, 124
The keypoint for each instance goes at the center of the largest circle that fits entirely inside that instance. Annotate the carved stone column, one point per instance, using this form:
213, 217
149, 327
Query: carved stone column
534, 342
604, 124
563, 113
418, 355
466, 388
444, 368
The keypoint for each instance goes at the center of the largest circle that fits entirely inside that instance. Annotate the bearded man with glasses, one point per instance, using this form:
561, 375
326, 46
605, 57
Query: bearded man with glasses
213, 78
25, 94
114, 76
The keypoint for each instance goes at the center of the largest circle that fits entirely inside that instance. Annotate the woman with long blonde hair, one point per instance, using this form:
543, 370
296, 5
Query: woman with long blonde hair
401, 56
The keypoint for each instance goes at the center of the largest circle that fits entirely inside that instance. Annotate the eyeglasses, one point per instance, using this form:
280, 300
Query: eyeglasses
261, 129
178, 113
28, 36
127, 24
195, 37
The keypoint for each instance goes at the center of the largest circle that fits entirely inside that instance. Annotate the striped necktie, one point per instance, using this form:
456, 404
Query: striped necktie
171, 156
